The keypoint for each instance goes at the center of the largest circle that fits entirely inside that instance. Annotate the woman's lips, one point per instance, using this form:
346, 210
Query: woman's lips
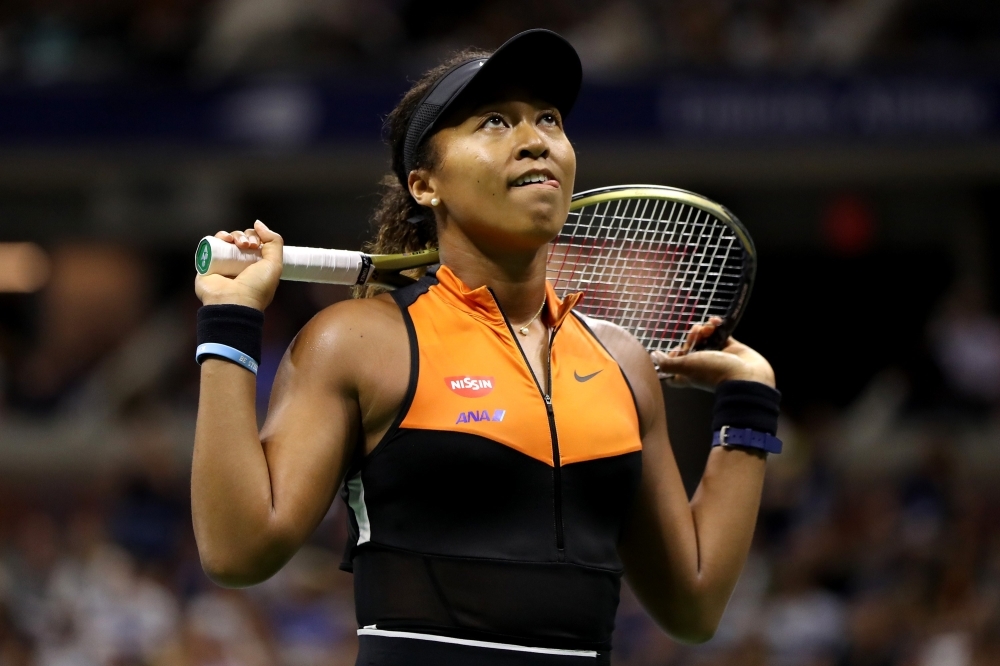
551, 183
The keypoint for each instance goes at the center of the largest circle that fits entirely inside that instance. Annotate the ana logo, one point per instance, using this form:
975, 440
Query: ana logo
470, 387
476, 416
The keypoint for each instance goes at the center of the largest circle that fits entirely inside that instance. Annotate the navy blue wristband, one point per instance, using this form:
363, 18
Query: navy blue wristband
743, 404
747, 439
746, 416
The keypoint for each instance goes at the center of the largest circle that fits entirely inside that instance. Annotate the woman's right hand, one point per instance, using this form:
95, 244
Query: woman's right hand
255, 286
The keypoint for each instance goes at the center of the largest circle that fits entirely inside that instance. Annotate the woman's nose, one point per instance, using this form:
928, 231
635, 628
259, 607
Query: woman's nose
531, 144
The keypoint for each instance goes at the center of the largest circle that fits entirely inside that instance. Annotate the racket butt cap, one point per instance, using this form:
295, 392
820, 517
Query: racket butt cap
203, 256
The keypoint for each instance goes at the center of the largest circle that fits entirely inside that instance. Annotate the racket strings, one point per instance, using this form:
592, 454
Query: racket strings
653, 266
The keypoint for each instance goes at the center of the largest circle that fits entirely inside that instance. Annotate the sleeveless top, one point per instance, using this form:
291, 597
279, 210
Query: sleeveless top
491, 510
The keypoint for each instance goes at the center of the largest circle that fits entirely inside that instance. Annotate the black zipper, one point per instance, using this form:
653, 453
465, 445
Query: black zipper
556, 466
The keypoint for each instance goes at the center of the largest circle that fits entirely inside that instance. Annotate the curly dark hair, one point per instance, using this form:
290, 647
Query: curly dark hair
394, 233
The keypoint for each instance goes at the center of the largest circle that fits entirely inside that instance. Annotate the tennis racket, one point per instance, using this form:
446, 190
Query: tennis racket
655, 260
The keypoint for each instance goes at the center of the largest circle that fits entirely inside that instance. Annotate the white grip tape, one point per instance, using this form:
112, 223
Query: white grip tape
304, 264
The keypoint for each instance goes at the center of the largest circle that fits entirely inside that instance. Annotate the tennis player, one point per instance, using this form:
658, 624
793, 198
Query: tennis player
504, 459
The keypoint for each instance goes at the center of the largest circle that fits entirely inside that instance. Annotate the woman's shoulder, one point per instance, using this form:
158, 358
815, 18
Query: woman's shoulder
617, 340
351, 328
380, 309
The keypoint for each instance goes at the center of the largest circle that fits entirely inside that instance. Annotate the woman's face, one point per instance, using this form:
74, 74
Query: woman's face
504, 175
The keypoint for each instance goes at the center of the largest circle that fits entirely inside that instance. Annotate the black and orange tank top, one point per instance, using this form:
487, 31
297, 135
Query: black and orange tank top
491, 511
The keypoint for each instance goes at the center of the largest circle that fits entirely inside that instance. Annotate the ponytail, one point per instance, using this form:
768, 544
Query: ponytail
401, 224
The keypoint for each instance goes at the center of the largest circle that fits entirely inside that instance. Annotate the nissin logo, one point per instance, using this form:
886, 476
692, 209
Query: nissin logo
476, 416
470, 387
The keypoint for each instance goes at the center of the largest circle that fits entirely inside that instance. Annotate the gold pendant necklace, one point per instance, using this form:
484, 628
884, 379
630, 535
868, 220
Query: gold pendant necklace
524, 329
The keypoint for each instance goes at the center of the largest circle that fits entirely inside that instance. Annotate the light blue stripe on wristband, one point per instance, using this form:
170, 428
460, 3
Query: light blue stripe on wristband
226, 352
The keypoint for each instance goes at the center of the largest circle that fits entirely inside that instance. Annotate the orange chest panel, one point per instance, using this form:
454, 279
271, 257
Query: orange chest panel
473, 378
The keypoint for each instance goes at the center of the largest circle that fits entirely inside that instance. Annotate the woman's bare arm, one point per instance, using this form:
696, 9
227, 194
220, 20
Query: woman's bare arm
255, 498
683, 558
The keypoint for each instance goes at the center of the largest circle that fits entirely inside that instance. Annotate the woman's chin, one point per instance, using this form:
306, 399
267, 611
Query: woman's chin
525, 238
547, 212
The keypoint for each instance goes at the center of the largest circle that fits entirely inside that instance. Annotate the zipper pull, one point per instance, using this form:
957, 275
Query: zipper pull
548, 404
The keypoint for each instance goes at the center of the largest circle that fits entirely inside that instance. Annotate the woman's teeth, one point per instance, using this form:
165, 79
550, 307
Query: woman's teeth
530, 178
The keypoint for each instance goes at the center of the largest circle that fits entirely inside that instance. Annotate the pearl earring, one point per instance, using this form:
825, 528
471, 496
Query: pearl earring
435, 201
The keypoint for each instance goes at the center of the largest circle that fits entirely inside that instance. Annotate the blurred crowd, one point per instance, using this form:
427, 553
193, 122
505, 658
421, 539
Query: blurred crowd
95, 579
50, 41
847, 569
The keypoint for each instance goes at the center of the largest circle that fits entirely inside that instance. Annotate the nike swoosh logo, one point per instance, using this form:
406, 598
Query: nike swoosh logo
586, 377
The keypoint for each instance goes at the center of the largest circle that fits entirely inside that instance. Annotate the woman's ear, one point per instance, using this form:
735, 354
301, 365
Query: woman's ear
421, 188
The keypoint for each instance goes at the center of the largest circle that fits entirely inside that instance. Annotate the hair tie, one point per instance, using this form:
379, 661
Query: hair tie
417, 219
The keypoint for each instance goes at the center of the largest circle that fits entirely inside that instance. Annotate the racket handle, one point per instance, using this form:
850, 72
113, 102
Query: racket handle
302, 264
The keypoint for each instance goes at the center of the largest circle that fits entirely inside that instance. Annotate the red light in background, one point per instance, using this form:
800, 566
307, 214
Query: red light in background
848, 225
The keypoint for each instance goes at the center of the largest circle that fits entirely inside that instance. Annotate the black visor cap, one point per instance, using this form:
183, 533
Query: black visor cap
539, 62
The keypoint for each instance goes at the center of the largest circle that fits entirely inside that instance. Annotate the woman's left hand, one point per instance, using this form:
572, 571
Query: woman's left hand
707, 369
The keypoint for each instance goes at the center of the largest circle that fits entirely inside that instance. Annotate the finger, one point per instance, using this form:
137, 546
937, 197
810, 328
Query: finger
265, 233
685, 344
691, 339
676, 351
243, 241
706, 330
702, 369
669, 362
701, 332
697, 368
273, 243
698, 334
252, 237
661, 374
225, 235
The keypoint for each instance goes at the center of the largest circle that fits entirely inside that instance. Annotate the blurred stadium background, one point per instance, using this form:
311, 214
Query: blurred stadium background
859, 140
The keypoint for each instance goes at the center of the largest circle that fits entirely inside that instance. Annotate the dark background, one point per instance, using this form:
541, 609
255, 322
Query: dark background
856, 139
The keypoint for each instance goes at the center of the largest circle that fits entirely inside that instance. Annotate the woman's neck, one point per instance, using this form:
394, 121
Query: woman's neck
517, 278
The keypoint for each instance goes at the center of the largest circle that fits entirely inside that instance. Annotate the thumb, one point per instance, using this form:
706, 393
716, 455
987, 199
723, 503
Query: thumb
668, 363
667, 371
272, 244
